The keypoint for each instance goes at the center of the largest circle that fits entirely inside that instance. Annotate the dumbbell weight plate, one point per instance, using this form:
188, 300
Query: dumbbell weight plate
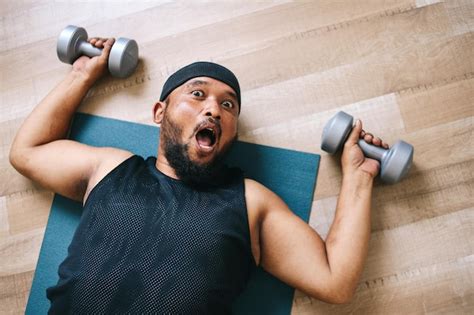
335, 132
397, 162
123, 57
68, 42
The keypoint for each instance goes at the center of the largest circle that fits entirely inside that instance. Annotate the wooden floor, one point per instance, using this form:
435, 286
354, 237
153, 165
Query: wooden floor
404, 67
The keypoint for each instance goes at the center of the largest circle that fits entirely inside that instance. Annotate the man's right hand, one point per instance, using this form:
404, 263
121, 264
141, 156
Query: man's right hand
353, 160
91, 69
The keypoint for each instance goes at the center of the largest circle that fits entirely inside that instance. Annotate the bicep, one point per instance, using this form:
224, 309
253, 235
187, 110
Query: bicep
293, 251
63, 166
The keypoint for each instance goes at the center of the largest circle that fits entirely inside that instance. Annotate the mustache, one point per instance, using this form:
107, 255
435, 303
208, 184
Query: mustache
211, 120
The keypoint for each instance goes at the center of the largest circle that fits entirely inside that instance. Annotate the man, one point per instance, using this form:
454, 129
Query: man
180, 233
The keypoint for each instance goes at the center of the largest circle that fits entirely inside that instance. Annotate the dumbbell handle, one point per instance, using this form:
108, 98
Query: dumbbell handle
89, 50
372, 151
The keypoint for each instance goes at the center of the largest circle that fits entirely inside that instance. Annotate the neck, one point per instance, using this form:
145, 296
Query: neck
163, 166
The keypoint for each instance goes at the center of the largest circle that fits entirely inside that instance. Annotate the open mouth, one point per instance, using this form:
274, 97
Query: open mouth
206, 138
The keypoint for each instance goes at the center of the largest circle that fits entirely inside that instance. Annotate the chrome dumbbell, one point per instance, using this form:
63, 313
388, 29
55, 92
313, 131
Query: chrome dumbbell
123, 58
394, 162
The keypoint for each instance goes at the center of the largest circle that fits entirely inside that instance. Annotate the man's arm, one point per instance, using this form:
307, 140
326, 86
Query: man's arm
39, 151
293, 252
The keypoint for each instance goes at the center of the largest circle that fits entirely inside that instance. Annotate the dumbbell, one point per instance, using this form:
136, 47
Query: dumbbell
394, 162
123, 58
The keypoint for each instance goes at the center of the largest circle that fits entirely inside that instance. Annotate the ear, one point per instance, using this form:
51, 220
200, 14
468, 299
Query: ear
158, 111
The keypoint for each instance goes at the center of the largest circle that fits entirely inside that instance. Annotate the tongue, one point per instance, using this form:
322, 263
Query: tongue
203, 139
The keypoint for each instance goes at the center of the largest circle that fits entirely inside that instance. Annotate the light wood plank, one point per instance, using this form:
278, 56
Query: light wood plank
412, 66
388, 34
404, 67
9, 7
414, 259
410, 201
437, 289
4, 225
34, 24
14, 291
415, 245
35, 205
40, 57
19, 253
433, 105
460, 15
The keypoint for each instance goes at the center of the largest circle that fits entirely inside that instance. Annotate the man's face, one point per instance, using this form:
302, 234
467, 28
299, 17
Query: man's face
199, 126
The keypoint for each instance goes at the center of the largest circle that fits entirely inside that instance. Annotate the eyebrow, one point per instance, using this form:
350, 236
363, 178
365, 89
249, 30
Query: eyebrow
194, 83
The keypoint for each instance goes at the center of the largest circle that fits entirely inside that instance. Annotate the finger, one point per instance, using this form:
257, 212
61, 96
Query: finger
377, 141
368, 138
385, 145
356, 130
107, 46
99, 43
109, 41
93, 40
362, 134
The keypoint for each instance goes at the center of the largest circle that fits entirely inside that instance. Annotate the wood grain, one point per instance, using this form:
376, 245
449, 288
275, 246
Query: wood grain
14, 291
405, 67
436, 289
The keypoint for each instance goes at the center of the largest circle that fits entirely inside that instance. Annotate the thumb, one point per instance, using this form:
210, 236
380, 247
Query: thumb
355, 133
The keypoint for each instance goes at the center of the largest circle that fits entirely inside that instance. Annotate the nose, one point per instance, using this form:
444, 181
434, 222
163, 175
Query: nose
212, 109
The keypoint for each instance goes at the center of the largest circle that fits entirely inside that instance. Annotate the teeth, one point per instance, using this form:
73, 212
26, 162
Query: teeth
210, 129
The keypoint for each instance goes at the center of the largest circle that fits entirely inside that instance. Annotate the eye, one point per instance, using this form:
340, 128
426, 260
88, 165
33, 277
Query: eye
228, 104
198, 93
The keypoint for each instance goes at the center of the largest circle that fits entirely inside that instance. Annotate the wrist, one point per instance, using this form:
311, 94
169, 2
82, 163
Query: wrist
81, 78
358, 178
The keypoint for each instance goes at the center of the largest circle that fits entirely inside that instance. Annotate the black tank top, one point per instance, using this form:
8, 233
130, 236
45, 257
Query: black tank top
148, 243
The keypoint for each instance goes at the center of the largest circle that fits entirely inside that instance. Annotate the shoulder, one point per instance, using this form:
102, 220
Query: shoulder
267, 213
259, 196
258, 191
263, 199
108, 158
253, 188
255, 208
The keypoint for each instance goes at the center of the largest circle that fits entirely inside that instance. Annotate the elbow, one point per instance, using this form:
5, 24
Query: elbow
342, 298
13, 157
18, 159
343, 292
336, 294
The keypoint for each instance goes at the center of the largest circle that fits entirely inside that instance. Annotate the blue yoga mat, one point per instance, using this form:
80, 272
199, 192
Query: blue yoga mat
290, 174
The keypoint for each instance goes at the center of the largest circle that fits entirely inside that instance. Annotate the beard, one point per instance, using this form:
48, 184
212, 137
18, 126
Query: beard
197, 175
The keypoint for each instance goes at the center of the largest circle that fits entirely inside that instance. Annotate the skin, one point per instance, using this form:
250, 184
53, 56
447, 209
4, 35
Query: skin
281, 242
189, 105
